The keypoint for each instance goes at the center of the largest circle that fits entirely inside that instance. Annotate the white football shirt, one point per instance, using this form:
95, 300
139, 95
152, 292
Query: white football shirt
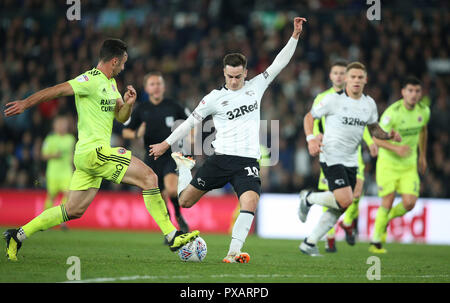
344, 126
236, 114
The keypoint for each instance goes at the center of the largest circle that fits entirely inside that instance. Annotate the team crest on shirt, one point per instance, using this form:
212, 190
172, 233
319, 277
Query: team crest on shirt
225, 103
250, 93
419, 119
113, 87
121, 151
83, 78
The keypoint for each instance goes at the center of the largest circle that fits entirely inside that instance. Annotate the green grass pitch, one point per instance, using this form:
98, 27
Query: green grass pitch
112, 256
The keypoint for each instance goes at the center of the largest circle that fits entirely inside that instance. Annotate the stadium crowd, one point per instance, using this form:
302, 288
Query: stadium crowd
40, 48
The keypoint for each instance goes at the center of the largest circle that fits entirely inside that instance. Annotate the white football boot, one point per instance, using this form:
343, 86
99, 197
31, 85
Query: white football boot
182, 160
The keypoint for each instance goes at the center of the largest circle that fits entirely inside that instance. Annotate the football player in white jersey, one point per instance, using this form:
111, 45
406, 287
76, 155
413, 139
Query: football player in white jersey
235, 109
347, 113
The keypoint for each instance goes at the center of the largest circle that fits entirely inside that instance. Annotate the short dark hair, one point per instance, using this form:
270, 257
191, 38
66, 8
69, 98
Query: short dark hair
112, 48
339, 62
235, 59
411, 80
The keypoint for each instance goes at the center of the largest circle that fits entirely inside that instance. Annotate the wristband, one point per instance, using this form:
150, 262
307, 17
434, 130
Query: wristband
310, 137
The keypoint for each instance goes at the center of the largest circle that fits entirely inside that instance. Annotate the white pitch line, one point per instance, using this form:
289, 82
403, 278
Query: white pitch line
147, 277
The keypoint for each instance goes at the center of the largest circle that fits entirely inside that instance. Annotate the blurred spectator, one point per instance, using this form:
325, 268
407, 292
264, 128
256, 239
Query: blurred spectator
187, 43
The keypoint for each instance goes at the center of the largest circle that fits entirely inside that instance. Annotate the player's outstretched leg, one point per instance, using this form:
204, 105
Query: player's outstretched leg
47, 219
144, 177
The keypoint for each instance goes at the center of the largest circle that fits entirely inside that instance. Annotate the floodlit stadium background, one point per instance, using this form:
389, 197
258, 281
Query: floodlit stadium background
186, 41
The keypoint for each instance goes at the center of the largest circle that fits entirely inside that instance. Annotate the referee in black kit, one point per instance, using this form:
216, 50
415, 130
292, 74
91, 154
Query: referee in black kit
153, 120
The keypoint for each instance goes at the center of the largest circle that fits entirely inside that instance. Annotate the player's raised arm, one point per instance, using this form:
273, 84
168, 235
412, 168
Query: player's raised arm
285, 55
17, 107
298, 27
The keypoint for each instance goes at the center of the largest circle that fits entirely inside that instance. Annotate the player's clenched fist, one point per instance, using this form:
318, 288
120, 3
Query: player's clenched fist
298, 26
314, 146
130, 95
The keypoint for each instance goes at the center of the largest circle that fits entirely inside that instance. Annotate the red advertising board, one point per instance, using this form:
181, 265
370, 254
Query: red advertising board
120, 210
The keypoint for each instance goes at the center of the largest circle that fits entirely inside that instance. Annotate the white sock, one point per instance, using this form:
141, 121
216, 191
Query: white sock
240, 231
184, 178
323, 198
170, 235
326, 222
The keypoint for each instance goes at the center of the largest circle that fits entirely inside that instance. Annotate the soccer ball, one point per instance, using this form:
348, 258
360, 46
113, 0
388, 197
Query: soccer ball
194, 251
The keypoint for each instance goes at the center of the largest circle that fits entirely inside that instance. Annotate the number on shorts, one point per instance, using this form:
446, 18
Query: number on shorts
254, 172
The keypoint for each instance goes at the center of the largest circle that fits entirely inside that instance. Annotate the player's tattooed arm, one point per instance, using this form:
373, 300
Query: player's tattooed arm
376, 131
